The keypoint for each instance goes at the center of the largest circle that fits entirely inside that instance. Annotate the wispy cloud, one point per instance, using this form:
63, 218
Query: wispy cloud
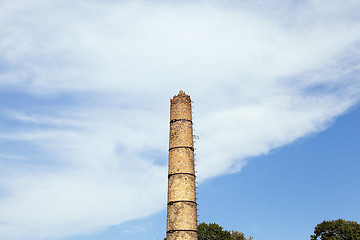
85, 146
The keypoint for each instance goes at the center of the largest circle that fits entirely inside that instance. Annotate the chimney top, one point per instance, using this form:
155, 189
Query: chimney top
182, 96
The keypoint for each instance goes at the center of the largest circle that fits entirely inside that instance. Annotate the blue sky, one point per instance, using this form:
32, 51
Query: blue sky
84, 100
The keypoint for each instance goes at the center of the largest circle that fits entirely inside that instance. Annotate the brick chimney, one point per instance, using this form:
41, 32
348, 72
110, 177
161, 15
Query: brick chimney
181, 203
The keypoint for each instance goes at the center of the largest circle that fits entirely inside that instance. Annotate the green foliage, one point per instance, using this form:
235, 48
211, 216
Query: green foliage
235, 235
213, 231
337, 230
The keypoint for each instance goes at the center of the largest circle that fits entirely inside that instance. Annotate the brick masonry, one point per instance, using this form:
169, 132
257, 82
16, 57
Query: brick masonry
182, 207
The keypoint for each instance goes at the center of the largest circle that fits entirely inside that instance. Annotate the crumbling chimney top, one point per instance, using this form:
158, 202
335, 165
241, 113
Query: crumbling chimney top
182, 96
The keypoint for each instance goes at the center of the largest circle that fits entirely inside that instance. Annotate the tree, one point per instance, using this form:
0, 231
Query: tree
235, 235
337, 230
213, 231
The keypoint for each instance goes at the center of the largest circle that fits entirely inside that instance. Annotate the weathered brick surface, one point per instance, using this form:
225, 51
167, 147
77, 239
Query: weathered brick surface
182, 208
181, 160
182, 217
188, 235
180, 107
181, 134
181, 188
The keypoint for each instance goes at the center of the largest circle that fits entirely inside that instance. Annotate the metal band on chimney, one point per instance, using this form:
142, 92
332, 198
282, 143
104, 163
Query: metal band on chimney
182, 120
181, 230
191, 148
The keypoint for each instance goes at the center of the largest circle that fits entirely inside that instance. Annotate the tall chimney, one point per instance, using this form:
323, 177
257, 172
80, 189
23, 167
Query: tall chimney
181, 205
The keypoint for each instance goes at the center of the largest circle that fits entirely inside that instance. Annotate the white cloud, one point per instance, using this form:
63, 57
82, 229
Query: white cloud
260, 79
